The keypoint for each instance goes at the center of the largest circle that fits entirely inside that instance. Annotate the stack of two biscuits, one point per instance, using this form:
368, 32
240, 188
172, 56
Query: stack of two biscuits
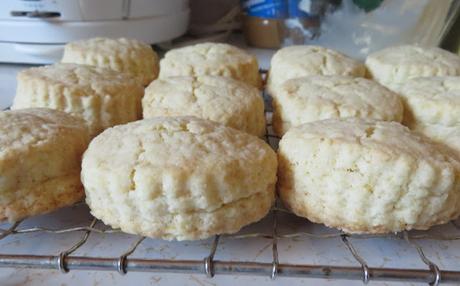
57, 110
194, 166
99, 80
344, 158
428, 80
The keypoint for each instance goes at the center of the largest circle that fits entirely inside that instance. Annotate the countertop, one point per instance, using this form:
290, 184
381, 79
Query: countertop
8, 74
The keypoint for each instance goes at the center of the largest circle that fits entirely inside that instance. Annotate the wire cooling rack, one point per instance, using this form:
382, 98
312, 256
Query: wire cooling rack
269, 233
43, 243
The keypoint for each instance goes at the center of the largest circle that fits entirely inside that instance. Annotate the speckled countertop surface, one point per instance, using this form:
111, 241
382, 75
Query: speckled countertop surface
378, 252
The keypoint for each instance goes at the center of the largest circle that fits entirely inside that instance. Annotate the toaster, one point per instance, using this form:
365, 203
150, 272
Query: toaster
35, 31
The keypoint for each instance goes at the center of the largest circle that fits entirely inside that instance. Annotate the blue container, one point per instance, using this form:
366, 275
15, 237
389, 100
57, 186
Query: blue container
271, 9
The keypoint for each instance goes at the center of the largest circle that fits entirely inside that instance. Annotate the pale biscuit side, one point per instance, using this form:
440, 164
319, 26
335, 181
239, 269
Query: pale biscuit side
299, 61
434, 100
102, 97
313, 98
366, 176
202, 170
449, 136
212, 59
395, 65
47, 145
122, 55
224, 100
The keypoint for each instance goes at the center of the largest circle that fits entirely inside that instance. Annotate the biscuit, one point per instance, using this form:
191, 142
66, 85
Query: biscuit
395, 65
300, 61
122, 55
449, 136
102, 97
212, 59
365, 176
40, 157
313, 98
434, 100
178, 178
224, 100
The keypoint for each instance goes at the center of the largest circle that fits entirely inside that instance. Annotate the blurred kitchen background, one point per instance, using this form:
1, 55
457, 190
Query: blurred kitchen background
34, 31
355, 27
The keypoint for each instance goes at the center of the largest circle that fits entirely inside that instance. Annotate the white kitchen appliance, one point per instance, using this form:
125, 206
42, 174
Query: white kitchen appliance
35, 31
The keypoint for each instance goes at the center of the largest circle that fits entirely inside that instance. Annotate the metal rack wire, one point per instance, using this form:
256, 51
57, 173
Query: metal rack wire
65, 261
